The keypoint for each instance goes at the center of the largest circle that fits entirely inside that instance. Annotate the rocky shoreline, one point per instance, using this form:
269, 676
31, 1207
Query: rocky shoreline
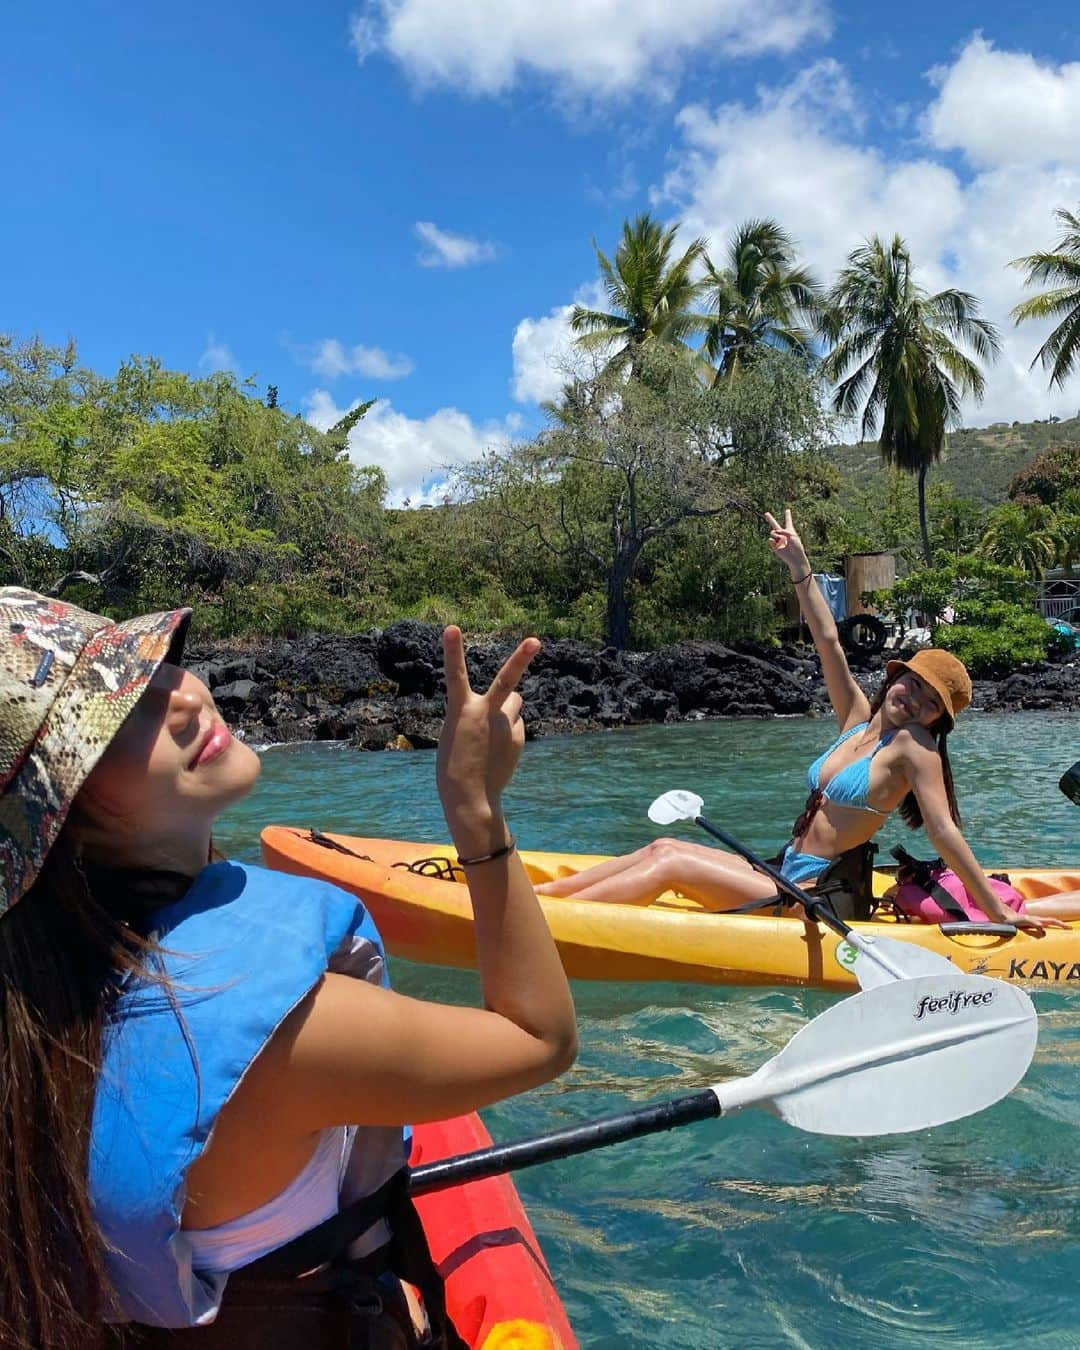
383, 690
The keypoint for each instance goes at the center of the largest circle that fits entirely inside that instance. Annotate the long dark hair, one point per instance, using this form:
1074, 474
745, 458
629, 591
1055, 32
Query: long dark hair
65, 950
909, 807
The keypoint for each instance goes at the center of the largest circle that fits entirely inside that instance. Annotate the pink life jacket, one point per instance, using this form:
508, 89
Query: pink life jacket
919, 881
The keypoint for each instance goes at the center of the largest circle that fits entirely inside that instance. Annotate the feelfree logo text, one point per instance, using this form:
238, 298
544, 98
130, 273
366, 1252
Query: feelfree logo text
951, 1003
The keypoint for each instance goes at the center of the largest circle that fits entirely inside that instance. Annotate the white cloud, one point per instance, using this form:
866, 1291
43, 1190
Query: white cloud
541, 350
545, 356
365, 35
800, 153
217, 357
592, 48
331, 359
413, 452
443, 249
796, 155
1006, 107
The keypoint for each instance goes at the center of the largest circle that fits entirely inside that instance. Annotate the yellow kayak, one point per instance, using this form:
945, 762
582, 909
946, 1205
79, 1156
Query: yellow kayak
428, 918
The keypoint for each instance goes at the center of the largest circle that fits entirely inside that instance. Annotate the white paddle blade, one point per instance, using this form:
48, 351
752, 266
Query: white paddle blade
905, 1056
907, 959
678, 804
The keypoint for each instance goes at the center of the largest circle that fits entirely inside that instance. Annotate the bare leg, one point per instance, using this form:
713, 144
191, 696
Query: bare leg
713, 878
1063, 906
577, 882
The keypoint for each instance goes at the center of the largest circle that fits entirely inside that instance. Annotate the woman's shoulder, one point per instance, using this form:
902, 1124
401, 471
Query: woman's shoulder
912, 739
247, 888
242, 927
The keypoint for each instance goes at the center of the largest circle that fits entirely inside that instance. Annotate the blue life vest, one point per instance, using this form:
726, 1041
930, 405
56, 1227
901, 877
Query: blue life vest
242, 948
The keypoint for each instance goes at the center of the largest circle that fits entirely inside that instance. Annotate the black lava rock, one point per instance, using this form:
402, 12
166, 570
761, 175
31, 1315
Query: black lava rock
383, 690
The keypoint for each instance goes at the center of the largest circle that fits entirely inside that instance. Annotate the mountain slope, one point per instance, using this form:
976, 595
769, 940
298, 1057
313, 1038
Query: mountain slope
978, 461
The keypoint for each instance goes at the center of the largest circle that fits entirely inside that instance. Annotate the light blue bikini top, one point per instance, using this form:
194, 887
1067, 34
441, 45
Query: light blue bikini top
851, 786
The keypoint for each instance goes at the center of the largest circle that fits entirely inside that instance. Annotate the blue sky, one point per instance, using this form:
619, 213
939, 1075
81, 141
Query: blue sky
397, 199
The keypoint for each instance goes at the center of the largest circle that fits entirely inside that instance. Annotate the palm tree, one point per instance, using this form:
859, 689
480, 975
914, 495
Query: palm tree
1060, 353
1017, 535
651, 295
757, 299
900, 346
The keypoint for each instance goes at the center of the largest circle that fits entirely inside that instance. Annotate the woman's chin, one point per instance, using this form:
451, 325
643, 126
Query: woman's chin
239, 771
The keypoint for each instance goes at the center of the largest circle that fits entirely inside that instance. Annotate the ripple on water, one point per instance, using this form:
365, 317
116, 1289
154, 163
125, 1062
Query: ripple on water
743, 1232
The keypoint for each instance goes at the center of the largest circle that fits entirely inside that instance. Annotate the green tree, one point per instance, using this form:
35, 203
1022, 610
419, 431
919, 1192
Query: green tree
953, 581
883, 516
199, 483
1060, 269
153, 487
1024, 536
758, 299
992, 639
993, 625
956, 521
1049, 476
623, 466
708, 579
454, 563
650, 291
43, 470
895, 356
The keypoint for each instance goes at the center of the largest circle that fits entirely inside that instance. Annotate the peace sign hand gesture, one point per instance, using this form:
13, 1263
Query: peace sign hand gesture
480, 744
786, 544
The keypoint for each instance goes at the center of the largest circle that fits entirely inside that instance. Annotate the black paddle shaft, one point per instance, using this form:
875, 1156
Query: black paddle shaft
490, 1162
817, 909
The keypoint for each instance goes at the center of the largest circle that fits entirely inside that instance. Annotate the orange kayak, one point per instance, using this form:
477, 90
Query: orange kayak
499, 1290
428, 918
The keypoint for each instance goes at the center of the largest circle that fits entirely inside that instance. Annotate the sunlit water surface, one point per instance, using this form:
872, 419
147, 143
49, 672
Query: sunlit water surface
747, 1232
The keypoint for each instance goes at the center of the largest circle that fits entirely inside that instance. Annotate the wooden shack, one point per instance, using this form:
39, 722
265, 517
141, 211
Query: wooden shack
867, 572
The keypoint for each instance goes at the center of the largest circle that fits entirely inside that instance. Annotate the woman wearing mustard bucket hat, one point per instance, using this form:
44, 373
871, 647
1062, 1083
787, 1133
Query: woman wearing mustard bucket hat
204, 1070
891, 754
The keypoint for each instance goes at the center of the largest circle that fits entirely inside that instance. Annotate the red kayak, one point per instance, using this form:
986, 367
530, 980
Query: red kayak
499, 1290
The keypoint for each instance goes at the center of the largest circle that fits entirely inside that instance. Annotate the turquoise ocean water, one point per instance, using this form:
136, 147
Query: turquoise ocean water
747, 1232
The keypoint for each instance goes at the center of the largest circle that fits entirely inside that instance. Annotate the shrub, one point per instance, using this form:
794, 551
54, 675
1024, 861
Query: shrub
996, 626
582, 617
488, 611
960, 581
285, 609
994, 638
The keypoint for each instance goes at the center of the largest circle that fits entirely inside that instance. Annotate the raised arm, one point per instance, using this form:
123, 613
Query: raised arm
922, 765
356, 1053
520, 972
849, 703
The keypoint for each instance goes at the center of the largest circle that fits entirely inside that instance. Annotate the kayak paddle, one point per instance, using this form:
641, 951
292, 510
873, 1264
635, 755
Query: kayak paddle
883, 959
1070, 783
903, 1056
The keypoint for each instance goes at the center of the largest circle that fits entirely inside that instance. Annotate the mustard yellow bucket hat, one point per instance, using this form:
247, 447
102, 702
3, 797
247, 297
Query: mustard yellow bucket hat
68, 679
945, 675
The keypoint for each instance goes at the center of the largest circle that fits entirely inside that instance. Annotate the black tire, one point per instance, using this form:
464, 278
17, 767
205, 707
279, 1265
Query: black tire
862, 635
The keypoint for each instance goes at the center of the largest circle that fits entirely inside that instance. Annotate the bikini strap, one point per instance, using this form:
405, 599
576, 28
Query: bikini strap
817, 794
845, 736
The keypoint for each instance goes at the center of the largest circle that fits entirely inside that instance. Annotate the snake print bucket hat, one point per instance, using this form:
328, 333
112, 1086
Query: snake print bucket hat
68, 679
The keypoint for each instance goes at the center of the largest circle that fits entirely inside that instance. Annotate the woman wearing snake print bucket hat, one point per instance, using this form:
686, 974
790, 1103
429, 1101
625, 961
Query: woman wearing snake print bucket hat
202, 1062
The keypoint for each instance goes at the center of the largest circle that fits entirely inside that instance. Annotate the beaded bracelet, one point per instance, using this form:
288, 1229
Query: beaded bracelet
489, 857
805, 578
